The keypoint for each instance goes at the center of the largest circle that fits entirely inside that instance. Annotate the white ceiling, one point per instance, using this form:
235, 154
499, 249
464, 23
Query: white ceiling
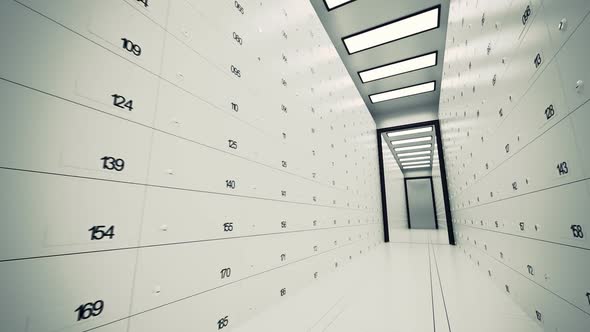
360, 15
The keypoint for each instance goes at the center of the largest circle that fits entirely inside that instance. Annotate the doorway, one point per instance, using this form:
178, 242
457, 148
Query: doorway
414, 194
420, 203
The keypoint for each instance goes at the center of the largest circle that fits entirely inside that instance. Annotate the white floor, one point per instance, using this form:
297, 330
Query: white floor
400, 287
424, 236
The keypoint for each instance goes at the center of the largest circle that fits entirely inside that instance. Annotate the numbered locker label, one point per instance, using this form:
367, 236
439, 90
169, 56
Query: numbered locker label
90, 290
156, 10
119, 88
128, 33
160, 280
79, 147
66, 208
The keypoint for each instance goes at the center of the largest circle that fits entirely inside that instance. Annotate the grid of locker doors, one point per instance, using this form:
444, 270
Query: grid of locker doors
117, 165
514, 115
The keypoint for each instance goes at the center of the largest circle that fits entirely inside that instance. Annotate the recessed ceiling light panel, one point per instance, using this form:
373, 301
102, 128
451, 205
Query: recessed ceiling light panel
403, 92
416, 166
414, 158
416, 163
399, 67
417, 153
409, 132
413, 24
414, 147
412, 140
333, 4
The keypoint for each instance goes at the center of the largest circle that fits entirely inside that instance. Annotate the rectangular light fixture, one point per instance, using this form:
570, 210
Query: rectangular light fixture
400, 28
414, 158
333, 4
409, 132
403, 92
417, 153
412, 140
417, 166
414, 147
399, 67
416, 163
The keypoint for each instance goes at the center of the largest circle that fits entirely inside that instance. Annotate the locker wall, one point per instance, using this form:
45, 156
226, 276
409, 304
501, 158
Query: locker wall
174, 165
515, 114
439, 200
397, 215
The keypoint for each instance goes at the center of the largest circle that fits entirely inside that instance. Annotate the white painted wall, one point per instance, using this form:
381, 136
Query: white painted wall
397, 215
148, 147
514, 112
439, 200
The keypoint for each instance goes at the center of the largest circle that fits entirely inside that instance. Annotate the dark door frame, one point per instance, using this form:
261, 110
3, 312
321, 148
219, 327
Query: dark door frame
431, 192
443, 175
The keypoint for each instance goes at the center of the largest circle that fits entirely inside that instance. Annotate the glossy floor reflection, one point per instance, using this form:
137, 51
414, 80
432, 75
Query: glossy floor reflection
423, 236
400, 287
